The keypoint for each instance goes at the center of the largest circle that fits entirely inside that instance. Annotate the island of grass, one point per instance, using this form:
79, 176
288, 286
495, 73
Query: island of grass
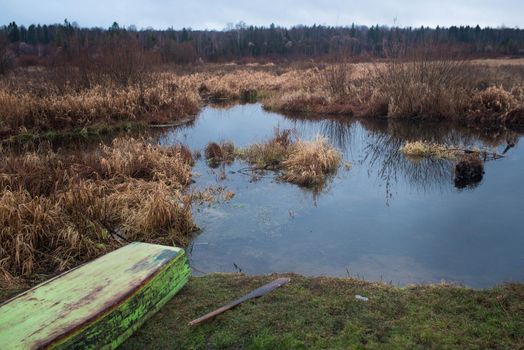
323, 313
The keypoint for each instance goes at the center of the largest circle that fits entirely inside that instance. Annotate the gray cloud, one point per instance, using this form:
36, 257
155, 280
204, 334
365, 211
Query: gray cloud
206, 14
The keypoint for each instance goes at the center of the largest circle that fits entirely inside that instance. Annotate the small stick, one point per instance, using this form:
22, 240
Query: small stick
253, 294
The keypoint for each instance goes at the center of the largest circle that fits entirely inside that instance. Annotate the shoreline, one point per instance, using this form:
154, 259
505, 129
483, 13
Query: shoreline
322, 312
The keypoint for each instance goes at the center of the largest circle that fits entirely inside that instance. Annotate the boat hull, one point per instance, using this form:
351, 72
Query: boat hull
98, 305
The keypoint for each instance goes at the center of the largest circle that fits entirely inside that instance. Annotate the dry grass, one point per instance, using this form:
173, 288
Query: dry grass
421, 149
35, 106
139, 160
494, 103
311, 162
270, 155
305, 163
419, 87
223, 153
245, 84
59, 210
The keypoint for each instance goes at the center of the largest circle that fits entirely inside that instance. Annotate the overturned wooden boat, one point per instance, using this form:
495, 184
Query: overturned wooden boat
97, 305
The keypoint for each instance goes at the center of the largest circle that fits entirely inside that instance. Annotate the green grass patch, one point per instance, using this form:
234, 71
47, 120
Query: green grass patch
321, 313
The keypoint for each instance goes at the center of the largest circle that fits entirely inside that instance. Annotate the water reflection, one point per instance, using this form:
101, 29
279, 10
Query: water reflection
389, 218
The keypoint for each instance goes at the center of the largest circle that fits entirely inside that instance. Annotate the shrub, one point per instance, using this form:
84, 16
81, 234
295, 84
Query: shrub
492, 101
336, 79
7, 60
423, 86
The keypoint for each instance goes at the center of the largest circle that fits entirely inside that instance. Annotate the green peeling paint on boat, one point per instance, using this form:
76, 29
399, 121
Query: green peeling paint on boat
97, 305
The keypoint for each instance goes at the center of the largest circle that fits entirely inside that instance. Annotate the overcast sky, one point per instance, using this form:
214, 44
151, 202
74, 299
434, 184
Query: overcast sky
207, 14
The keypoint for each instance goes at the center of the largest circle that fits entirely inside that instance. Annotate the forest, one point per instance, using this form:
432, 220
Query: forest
43, 44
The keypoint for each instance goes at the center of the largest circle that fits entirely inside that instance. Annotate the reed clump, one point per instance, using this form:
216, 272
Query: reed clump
305, 163
270, 155
310, 162
58, 210
421, 149
223, 153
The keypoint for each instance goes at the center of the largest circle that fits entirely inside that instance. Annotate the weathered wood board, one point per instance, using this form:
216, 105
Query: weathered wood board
97, 305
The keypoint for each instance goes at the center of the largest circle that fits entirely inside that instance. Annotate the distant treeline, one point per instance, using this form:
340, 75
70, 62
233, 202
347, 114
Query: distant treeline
38, 43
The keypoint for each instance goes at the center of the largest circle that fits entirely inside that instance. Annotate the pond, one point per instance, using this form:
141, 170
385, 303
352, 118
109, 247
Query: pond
387, 218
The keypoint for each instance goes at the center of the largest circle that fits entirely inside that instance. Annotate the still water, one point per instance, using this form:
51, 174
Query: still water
388, 218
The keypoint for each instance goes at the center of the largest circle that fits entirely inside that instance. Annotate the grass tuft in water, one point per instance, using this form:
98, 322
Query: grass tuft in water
216, 154
310, 162
420, 149
305, 163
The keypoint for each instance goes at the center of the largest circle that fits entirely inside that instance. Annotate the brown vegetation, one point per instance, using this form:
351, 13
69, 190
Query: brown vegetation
54, 99
419, 149
310, 162
271, 154
57, 210
469, 170
418, 87
40, 107
217, 154
305, 163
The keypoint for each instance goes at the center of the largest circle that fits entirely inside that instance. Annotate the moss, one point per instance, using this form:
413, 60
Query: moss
322, 313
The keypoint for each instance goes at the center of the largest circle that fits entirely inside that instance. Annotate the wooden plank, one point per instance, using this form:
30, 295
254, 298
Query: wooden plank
97, 305
257, 293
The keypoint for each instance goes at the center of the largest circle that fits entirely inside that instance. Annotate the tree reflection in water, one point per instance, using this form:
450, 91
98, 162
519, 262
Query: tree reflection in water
383, 138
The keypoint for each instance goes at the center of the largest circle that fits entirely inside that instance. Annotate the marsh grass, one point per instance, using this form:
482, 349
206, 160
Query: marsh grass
223, 153
36, 106
310, 163
305, 163
58, 210
270, 154
419, 85
415, 85
421, 149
